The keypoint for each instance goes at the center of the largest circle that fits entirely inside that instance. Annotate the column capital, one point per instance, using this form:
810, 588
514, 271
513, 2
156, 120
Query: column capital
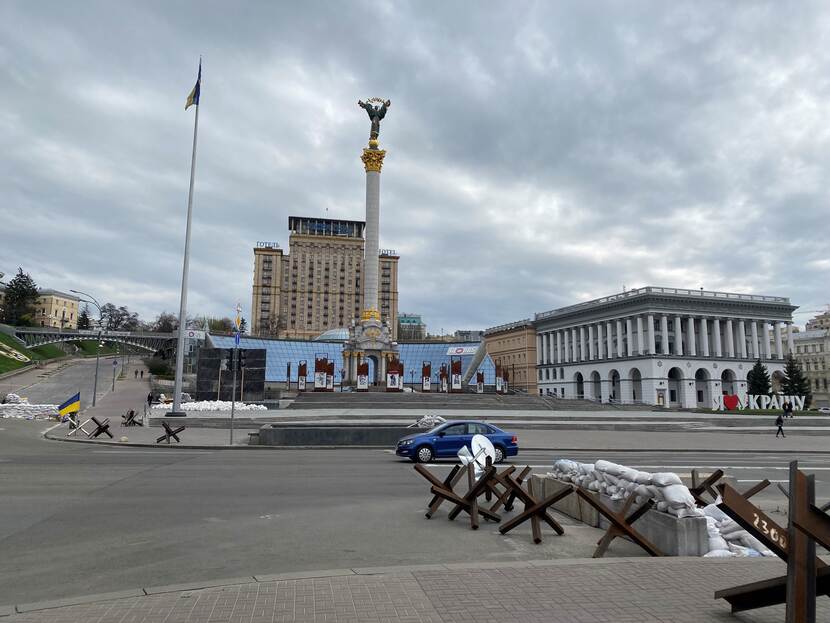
373, 159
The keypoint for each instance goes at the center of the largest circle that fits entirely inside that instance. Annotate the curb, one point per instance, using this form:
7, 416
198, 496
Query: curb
118, 444
330, 573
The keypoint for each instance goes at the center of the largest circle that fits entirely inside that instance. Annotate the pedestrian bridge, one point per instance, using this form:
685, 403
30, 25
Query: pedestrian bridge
40, 336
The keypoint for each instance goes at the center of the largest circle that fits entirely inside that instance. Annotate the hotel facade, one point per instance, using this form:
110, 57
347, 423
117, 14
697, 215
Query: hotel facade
661, 346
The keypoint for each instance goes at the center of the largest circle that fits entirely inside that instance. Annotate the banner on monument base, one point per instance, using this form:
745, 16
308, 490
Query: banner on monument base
392, 380
302, 372
444, 384
362, 382
456, 382
426, 384
301, 384
499, 385
455, 374
479, 382
426, 376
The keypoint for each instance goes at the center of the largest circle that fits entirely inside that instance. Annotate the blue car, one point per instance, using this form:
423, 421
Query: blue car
445, 440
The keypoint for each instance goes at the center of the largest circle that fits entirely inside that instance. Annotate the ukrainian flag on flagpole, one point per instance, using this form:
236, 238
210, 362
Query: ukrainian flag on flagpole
72, 405
193, 98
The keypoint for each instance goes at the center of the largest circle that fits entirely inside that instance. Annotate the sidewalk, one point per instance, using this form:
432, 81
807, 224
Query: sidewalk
622, 590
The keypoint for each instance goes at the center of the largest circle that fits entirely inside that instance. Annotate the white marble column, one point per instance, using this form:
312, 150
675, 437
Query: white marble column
730, 338
692, 347
742, 338
600, 343
640, 340
539, 352
767, 350
591, 351
716, 336
629, 338
756, 352
372, 164
619, 339
651, 342
566, 334
558, 347
779, 346
678, 335
790, 341
551, 347
574, 347
583, 351
664, 329
704, 337
609, 341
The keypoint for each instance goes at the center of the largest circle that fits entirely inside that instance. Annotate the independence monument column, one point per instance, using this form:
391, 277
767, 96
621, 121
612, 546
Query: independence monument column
370, 339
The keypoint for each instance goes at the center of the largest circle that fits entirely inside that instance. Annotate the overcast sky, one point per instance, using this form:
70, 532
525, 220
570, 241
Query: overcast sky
539, 154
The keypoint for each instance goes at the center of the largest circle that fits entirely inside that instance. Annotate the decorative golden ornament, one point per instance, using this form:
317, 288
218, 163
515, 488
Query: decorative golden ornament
373, 332
370, 314
373, 159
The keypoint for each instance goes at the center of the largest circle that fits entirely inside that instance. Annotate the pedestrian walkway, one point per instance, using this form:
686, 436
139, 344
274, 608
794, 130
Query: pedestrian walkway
622, 590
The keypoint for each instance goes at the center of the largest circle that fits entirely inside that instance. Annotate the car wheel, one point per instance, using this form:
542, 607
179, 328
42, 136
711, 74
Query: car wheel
424, 454
499, 454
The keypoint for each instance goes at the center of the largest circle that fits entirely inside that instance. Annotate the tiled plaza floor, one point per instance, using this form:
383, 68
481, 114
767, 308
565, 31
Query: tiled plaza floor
621, 590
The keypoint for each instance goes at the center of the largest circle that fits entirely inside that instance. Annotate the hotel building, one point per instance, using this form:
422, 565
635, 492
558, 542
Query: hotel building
660, 346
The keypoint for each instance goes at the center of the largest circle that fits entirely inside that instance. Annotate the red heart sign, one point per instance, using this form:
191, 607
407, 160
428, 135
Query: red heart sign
730, 402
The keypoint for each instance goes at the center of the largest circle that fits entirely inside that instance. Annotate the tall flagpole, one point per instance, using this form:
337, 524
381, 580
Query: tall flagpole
177, 389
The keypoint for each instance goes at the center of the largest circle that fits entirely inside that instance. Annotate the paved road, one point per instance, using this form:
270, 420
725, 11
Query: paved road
80, 518
57, 382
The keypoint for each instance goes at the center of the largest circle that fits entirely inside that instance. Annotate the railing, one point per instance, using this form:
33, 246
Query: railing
637, 292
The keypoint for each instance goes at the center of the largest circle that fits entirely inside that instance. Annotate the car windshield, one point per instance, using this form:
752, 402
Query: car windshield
436, 429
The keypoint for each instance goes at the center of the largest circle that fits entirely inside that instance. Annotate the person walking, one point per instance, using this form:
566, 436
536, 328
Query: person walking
142, 375
135, 374
150, 399
788, 409
779, 422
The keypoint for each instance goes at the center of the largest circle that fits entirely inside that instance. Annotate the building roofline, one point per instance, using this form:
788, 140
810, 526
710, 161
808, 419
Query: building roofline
51, 292
527, 322
636, 293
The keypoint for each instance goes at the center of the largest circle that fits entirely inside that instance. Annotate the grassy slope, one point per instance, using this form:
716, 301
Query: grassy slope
88, 347
49, 351
6, 363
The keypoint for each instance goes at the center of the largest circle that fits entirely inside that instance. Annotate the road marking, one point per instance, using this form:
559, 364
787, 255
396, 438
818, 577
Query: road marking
51, 428
159, 451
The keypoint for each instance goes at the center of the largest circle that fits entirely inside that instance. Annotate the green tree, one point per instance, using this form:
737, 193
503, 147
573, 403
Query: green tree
21, 296
165, 322
220, 325
243, 326
795, 383
119, 318
758, 381
83, 318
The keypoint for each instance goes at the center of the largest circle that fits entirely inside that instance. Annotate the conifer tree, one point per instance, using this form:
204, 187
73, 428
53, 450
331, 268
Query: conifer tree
83, 318
758, 381
795, 383
21, 296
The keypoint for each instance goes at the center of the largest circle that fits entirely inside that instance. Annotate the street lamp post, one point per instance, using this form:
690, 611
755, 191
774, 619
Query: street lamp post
97, 339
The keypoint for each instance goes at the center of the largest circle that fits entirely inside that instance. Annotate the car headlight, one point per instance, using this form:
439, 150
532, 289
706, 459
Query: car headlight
408, 442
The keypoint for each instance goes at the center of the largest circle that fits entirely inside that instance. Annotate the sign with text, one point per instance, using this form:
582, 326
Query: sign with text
462, 351
732, 402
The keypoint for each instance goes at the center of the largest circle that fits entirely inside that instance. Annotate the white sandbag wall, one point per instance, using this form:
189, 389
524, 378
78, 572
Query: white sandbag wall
19, 408
669, 495
213, 405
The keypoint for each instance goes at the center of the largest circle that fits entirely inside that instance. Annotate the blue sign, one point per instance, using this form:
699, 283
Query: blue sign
236, 339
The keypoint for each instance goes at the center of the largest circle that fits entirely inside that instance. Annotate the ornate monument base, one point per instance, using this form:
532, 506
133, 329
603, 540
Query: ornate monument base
369, 339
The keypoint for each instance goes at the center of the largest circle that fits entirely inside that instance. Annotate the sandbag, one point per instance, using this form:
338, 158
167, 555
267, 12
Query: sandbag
665, 479
608, 467
678, 496
719, 553
713, 511
717, 542
643, 478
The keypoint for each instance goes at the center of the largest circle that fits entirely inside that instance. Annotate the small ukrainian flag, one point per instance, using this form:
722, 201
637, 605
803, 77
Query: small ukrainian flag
193, 98
72, 405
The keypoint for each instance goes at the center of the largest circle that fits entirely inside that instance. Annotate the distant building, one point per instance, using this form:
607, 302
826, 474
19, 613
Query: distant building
513, 346
316, 286
411, 328
56, 309
661, 346
820, 322
812, 351
468, 336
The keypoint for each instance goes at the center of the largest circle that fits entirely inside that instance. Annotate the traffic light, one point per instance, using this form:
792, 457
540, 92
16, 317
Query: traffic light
242, 355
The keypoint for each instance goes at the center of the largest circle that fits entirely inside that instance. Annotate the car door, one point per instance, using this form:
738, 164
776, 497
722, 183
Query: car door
454, 436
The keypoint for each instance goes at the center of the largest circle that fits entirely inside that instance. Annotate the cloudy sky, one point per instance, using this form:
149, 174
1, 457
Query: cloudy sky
539, 154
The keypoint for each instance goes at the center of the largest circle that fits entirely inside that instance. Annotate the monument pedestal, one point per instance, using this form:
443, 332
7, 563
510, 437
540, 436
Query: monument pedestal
369, 339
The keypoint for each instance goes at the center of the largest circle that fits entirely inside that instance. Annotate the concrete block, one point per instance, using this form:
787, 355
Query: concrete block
330, 435
573, 506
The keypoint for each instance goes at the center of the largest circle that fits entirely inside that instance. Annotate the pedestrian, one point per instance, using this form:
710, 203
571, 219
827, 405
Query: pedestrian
779, 422
150, 399
788, 409
135, 374
142, 375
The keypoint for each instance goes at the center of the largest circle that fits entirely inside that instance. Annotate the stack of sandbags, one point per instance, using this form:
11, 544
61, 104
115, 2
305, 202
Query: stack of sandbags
619, 482
25, 411
214, 405
12, 399
727, 538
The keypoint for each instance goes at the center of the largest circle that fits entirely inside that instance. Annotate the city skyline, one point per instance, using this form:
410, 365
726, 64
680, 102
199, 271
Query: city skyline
538, 158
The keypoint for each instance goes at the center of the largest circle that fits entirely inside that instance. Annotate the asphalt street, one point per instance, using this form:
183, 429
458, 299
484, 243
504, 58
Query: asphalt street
79, 518
57, 382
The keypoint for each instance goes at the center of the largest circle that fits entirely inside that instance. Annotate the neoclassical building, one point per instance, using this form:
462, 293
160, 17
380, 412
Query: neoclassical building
660, 346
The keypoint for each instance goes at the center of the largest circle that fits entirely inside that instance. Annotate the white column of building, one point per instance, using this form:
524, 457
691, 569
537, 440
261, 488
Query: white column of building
664, 329
779, 347
539, 352
756, 352
619, 339
551, 347
583, 352
716, 337
629, 338
558, 347
651, 342
790, 341
742, 338
565, 353
730, 338
609, 340
678, 335
640, 340
704, 337
692, 350
574, 347
591, 351
767, 346
600, 343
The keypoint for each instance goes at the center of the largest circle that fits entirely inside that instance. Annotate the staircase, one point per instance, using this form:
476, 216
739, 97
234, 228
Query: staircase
418, 400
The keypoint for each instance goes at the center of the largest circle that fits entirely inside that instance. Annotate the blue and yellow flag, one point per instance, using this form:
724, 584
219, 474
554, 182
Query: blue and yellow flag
193, 98
72, 405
